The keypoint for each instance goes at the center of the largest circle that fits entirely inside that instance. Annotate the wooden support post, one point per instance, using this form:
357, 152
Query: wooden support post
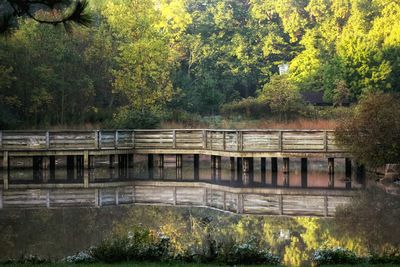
178, 173
150, 165
304, 172
263, 164
131, 158
331, 166
6, 170
179, 159
232, 163
263, 170
80, 166
286, 167
196, 167
348, 168
52, 167
246, 163
348, 173
218, 162
274, 165
239, 164
70, 167
160, 162
360, 174
274, 179
111, 160
86, 167
37, 167
213, 162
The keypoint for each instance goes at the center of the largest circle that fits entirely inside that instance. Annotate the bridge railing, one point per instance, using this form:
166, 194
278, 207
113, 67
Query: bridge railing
194, 139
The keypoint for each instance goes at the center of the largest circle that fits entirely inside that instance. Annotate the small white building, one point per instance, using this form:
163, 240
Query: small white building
283, 69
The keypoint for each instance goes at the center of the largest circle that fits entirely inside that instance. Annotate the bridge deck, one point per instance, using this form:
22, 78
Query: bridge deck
234, 143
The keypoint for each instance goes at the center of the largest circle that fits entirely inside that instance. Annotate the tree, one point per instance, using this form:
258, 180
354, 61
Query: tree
282, 96
52, 12
371, 133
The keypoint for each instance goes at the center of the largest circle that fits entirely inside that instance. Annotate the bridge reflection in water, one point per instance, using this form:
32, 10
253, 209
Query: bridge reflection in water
283, 172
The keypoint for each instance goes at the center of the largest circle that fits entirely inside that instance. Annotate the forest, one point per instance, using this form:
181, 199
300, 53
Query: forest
140, 62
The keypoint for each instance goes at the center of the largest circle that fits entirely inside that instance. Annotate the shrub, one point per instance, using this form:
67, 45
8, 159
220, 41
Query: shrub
389, 256
337, 255
371, 133
282, 97
127, 118
248, 107
80, 257
139, 244
249, 253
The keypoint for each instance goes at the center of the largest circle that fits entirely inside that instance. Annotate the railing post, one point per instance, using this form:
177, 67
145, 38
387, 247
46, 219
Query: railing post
116, 139
204, 139
6, 170
280, 140
99, 139
326, 141
280, 204
173, 138
96, 139
133, 138
223, 140
237, 141
241, 140
326, 206
47, 140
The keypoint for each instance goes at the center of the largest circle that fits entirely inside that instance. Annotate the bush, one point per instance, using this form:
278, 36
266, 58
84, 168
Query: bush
389, 256
127, 118
282, 96
248, 107
371, 133
338, 255
249, 253
80, 257
140, 244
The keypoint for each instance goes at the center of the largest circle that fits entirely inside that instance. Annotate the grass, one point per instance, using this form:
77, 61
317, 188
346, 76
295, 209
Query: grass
257, 124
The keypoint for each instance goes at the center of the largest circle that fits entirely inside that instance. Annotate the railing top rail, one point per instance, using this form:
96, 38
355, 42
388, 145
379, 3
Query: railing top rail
159, 130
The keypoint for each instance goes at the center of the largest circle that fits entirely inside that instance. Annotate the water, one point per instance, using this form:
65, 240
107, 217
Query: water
56, 233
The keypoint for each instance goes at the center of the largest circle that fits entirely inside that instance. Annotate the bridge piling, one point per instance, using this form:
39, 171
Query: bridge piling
196, 167
304, 172
274, 165
52, 167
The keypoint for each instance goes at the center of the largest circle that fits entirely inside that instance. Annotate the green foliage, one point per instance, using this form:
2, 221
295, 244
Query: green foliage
248, 107
371, 132
198, 56
337, 255
282, 97
126, 118
250, 253
139, 244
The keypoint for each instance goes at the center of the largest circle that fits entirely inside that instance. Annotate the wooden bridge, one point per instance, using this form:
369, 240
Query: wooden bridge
241, 146
81, 147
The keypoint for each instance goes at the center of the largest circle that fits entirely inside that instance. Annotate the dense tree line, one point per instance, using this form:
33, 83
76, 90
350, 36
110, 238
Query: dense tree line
167, 57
